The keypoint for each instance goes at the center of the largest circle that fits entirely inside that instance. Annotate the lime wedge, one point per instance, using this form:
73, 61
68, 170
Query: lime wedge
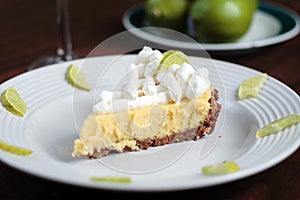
12, 101
251, 87
278, 125
14, 149
76, 78
225, 167
172, 57
111, 179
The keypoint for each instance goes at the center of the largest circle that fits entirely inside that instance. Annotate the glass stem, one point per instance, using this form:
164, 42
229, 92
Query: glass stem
64, 49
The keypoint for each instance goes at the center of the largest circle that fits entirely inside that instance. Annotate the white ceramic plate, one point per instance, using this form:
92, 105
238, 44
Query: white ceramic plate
56, 111
272, 24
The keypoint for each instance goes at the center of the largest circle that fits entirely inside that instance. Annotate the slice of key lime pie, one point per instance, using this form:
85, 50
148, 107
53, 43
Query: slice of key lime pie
164, 100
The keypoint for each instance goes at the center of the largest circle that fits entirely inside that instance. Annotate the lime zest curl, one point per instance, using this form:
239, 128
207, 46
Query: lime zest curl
76, 78
111, 179
251, 87
12, 102
278, 125
226, 167
14, 149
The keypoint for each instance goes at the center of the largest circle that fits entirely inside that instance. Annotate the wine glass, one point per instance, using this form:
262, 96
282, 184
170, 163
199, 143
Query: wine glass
64, 47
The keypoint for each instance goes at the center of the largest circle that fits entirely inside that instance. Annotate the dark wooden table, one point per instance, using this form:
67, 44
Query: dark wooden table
28, 32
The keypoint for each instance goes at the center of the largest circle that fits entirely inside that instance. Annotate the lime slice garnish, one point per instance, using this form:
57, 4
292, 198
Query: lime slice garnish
172, 57
278, 125
76, 78
226, 167
12, 101
251, 87
14, 149
111, 179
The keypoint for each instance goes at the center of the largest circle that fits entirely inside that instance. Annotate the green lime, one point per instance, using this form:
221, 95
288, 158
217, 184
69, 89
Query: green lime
12, 101
14, 149
218, 21
251, 87
278, 125
111, 179
172, 57
226, 167
76, 78
167, 13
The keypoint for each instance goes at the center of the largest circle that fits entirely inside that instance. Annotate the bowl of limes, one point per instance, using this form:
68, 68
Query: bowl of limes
210, 21
221, 27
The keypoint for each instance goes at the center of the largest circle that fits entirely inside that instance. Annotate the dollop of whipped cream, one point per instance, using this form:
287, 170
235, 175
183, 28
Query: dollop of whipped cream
145, 85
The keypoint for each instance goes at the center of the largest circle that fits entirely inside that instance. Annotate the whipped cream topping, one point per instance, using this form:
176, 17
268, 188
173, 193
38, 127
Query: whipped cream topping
146, 85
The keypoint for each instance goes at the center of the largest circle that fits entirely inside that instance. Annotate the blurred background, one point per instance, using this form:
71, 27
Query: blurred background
29, 29
29, 32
